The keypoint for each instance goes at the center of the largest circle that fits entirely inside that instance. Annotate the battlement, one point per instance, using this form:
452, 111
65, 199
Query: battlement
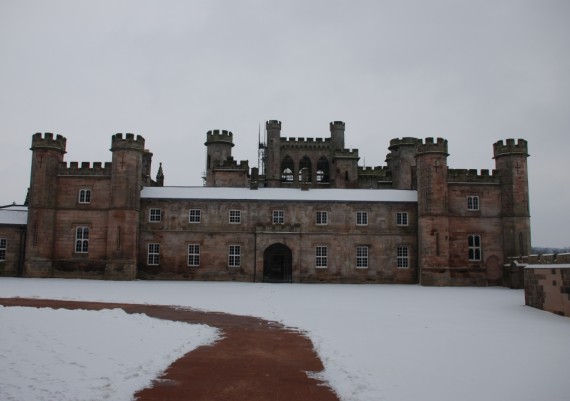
378, 171
510, 148
273, 124
231, 164
85, 169
129, 142
472, 175
406, 141
47, 141
337, 125
346, 154
430, 146
302, 140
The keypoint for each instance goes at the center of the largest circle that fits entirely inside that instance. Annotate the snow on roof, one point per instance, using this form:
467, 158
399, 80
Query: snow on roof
287, 194
549, 266
14, 214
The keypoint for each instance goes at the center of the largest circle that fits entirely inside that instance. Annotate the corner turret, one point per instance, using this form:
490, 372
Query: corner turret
273, 171
337, 134
401, 160
511, 164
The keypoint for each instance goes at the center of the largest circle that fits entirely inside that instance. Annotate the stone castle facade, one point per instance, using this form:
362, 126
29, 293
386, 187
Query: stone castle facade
309, 213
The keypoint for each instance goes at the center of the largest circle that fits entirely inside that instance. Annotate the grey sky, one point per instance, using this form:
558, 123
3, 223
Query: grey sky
471, 72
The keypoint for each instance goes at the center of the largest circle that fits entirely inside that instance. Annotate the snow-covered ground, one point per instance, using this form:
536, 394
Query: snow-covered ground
378, 342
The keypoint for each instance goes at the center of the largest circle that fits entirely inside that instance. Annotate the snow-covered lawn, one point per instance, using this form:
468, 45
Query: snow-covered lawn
378, 342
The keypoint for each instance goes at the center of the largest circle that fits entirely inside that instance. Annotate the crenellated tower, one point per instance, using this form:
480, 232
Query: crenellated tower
47, 154
219, 144
511, 163
433, 217
126, 184
337, 134
401, 160
273, 166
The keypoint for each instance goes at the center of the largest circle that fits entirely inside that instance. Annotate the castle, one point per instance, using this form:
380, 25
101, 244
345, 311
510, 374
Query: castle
308, 213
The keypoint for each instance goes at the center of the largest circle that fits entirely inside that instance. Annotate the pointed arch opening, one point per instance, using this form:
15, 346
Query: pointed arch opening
306, 163
323, 170
287, 168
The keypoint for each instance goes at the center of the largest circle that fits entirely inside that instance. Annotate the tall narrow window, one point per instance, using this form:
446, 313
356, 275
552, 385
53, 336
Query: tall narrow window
402, 257
402, 218
305, 163
3, 244
84, 196
474, 242
153, 254
82, 240
321, 256
234, 256
278, 217
323, 170
193, 255
155, 215
287, 169
194, 215
322, 218
362, 257
361, 218
235, 216
472, 203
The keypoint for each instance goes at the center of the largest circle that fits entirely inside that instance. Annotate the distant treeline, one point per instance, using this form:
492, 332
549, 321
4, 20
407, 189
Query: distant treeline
536, 250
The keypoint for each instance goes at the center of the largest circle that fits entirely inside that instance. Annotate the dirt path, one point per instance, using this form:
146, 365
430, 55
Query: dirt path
255, 360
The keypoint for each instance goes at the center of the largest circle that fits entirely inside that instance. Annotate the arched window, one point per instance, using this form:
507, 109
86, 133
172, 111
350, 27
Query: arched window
323, 170
287, 168
306, 163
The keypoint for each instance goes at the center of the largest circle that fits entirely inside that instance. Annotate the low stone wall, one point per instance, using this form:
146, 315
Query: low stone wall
547, 287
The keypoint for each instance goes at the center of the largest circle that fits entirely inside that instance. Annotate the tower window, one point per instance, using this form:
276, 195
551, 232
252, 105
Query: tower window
321, 257
402, 257
82, 240
472, 203
402, 218
194, 215
193, 255
234, 256
155, 215
3, 244
235, 216
361, 218
362, 257
84, 196
278, 217
153, 254
322, 218
474, 242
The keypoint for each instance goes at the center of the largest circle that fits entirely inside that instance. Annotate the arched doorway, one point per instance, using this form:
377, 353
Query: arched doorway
277, 264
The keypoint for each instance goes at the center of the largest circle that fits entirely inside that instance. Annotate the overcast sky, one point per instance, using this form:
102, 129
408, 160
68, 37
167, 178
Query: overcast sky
472, 72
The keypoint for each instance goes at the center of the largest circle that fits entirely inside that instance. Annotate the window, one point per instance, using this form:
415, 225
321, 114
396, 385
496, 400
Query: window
194, 215
322, 218
234, 256
361, 218
403, 261
402, 218
155, 215
84, 196
321, 256
278, 217
287, 168
193, 255
235, 216
362, 257
153, 254
82, 240
474, 242
472, 203
3, 243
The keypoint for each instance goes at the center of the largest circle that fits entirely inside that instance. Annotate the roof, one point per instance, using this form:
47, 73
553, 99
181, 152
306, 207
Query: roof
14, 214
280, 194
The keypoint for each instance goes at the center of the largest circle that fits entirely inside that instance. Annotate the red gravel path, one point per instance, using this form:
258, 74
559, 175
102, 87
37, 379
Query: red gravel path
255, 360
